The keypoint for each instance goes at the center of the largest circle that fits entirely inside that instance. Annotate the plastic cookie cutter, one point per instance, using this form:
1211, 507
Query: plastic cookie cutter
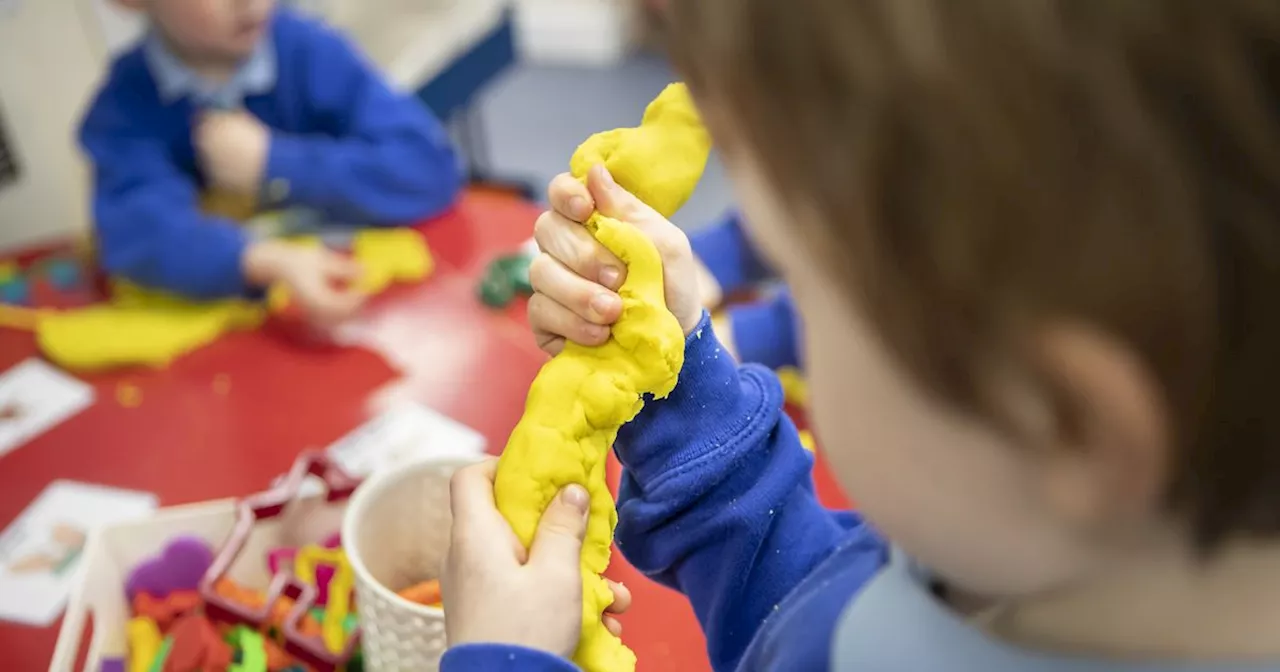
284, 586
283, 559
339, 604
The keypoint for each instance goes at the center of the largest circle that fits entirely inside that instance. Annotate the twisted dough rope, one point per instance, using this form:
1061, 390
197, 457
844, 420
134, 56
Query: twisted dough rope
583, 396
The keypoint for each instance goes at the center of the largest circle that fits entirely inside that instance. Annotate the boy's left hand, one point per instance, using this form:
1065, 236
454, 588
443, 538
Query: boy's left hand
232, 148
496, 592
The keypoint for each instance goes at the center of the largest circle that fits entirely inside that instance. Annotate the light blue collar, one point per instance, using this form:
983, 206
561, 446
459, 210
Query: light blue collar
896, 624
174, 79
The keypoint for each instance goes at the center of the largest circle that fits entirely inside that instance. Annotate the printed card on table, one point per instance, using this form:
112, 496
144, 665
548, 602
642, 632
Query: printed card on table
35, 396
40, 551
402, 434
399, 435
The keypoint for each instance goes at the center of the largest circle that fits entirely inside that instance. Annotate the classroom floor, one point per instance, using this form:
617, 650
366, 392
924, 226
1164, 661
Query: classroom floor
535, 116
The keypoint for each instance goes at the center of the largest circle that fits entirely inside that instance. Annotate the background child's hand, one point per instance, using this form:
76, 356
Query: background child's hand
232, 148
575, 279
497, 592
322, 281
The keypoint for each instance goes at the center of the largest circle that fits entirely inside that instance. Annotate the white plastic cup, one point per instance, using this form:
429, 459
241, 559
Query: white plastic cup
396, 534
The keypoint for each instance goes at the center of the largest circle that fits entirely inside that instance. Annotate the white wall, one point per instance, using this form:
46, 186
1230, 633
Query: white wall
575, 32
48, 67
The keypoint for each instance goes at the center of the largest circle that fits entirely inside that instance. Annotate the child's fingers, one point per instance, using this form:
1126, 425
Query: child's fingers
574, 247
570, 198
343, 268
549, 343
586, 299
621, 598
614, 201
477, 525
338, 304
557, 544
550, 319
613, 625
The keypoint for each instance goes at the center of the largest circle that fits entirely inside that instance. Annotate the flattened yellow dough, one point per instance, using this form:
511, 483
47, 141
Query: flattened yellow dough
142, 327
390, 256
138, 328
583, 396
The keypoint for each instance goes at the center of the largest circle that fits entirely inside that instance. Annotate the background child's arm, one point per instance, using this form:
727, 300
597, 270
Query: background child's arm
148, 224
766, 331
728, 257
384, 159
717, 498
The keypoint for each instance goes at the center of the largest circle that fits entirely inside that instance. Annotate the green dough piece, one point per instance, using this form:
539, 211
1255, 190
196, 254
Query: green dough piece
157, 663
516, 269
496, 291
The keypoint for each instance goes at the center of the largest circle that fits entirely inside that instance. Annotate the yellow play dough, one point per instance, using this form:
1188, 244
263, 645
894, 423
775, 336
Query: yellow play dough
139, 327
583, 396
795, 389
389, 256
143, 327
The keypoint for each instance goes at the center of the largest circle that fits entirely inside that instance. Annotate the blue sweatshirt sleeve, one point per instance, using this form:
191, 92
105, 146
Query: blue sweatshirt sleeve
502, 658
728, 254
386, 160
146, 213
717, 497
767, 332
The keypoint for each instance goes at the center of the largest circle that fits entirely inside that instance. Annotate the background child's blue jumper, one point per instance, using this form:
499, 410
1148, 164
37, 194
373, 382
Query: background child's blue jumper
344, 144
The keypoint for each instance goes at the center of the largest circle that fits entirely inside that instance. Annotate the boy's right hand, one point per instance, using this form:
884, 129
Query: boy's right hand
575, 279
322, 281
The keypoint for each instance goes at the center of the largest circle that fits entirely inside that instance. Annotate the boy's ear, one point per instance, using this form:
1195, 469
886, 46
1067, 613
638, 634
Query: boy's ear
1108, 447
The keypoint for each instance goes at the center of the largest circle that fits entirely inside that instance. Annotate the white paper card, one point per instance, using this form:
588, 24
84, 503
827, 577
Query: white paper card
40, 551
35, 396
405, 433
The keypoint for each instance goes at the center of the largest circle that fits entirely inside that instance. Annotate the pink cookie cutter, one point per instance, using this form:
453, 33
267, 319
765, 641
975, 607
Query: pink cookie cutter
265, 506
281, 560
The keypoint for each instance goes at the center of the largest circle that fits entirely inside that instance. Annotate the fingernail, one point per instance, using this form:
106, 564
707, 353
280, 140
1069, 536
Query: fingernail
602, 303
609, 277
604, 176
577, 497
578, 207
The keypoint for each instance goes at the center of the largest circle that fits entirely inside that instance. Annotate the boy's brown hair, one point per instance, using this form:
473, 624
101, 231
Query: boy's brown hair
975, 167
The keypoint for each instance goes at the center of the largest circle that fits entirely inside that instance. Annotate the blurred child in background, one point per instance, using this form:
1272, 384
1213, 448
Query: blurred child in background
244, 101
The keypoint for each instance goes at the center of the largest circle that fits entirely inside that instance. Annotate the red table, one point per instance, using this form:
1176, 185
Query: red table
195, 437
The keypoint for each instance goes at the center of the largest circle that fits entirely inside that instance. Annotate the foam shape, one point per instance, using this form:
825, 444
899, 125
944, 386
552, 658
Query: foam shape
197, 646
581, 398
143, 636
165, 610
179, 566
253, 651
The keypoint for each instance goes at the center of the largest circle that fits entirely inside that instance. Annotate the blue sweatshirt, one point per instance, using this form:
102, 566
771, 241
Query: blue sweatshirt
765, 331
343, 143
717, 501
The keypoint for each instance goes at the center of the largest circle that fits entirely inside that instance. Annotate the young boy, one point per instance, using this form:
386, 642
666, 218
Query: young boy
238, 98
764, 331
1036, 247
